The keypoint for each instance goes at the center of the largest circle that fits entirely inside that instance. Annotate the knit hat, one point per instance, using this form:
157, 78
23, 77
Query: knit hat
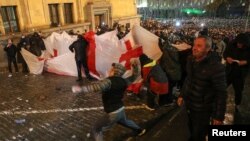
119, 69
144, 59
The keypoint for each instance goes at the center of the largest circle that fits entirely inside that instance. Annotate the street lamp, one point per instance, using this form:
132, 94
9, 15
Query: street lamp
178, 23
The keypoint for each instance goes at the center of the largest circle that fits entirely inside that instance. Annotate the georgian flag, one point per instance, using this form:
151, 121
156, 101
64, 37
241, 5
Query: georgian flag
103, 50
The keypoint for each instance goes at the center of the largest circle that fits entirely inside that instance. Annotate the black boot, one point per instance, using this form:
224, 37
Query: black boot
89, 77
79, 79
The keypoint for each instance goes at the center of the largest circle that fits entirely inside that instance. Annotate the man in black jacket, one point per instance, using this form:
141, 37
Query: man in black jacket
237, 56
80, 49
11, 54
204, 91
112, 89
36, 44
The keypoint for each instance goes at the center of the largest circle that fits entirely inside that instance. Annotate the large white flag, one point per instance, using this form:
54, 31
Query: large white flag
34, 63
103, 50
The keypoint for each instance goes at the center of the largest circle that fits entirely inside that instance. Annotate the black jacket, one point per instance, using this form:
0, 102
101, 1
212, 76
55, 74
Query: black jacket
239, 54
36, 45
204, 89
11, 51
80, 47
112, 98
23, 43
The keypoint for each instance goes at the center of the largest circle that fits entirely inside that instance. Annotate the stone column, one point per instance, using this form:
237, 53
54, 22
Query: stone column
61, 14
26, 15
79, 11
90, 16
1, 25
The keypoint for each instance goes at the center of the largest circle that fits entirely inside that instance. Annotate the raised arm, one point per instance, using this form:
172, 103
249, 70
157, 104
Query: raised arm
135, 74
71, 47
101, 85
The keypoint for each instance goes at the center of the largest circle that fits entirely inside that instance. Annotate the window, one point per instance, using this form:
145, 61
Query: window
10, 20
54, 15
68, 13
127, 25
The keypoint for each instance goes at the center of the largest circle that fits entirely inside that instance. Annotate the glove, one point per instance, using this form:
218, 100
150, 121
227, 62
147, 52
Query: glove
76, 89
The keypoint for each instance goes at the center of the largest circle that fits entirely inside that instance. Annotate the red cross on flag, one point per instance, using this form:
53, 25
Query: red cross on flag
103, 50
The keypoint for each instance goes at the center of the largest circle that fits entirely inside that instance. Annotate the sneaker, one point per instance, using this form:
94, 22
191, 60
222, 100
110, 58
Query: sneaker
10, 75
142, 132
148, 108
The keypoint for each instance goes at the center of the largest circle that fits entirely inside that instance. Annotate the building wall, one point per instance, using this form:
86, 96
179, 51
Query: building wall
19, 12
123, 8
125, 11
33, 15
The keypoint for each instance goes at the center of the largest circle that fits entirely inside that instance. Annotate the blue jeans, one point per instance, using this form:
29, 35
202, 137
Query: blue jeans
108, 120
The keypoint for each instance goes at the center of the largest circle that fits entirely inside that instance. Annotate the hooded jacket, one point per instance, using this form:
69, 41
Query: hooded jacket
112, 88
204, 89
80, 48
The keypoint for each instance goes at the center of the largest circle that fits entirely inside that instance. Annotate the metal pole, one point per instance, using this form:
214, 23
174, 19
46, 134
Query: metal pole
159, 8
248, 14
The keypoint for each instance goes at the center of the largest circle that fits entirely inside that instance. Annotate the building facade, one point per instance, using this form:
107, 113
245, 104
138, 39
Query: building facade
35, 15
27, 16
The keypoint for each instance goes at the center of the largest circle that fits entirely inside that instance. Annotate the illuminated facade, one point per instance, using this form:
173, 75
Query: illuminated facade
50, 15
27, 16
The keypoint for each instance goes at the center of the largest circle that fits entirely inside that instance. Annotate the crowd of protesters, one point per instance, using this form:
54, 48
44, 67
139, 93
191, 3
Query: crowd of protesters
191, 48
195, 53
219, 57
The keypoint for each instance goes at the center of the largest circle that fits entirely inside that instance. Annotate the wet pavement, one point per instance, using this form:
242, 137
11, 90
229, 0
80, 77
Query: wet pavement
243, 116
43, 108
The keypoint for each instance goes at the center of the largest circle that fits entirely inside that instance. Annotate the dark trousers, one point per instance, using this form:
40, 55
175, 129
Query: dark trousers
165, 99
12, 60
198, 125
79, 65
238, 81
25, 67
152, 100
108, 120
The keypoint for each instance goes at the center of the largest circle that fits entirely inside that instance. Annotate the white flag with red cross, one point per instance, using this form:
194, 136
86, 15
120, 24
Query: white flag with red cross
103, 50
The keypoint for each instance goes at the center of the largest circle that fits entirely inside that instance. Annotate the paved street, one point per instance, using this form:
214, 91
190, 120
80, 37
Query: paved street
43, 108
52, 112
